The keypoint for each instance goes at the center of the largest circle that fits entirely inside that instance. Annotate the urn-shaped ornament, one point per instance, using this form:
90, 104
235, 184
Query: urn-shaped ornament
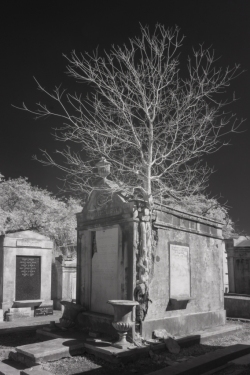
122, 320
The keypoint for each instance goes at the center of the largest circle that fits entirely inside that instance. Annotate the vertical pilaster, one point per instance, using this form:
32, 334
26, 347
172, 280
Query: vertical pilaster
230, 261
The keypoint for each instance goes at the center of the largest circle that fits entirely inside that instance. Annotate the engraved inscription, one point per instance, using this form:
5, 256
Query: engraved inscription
28, 266
28, 282
107, 211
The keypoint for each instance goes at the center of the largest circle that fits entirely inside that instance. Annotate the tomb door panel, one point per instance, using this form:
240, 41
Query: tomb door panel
28, 278
180, 278
104, 285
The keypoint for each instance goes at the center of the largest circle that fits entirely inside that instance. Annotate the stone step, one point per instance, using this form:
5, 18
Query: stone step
48, 350
9, 367
8, 370
206, 362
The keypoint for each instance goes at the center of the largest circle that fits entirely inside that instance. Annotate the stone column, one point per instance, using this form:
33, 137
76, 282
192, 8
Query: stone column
230, 261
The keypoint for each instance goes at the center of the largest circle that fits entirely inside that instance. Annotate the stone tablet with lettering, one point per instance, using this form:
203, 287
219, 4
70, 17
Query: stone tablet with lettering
28, 279
179, 272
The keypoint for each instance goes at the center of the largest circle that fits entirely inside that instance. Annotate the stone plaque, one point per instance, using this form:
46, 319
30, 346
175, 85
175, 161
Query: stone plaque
43, 311
28, 278
179, 272
105, 271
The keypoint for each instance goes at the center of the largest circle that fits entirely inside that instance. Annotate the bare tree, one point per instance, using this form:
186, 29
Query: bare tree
146, 113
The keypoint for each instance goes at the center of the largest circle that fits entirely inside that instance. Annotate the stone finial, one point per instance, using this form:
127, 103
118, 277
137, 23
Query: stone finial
103, 167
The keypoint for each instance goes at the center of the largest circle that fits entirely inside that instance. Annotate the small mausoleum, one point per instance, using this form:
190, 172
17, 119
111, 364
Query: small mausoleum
25, 274
238, 259
169, 261
237, 300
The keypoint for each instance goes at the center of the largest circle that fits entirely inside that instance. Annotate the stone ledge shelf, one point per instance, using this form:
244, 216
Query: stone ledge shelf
30, 303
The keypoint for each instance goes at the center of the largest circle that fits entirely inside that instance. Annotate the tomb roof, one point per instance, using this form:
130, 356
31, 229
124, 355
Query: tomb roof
244, 243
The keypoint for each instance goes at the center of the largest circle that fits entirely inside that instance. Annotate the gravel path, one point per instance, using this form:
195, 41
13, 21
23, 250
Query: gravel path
82, 364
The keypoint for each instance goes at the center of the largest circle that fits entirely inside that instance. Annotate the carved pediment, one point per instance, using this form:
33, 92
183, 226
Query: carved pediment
102, 204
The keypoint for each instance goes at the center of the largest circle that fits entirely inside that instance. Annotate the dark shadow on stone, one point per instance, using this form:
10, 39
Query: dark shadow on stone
174, 304
14, 364
187, 341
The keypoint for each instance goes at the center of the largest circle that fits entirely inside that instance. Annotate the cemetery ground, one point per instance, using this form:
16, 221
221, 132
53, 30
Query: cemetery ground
89, 364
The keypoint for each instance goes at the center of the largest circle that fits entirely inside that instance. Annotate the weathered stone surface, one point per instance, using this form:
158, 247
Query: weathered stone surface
161, 334
206, 362
63, 280
180, 275
21, 312
96, 322
31, 242
184, 324
37, 370
50, 350
71, 310
104, 271
6, 369
172, 345
237, 306
238, 259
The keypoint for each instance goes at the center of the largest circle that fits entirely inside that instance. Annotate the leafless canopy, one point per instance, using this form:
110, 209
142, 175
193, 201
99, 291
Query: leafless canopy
150, 116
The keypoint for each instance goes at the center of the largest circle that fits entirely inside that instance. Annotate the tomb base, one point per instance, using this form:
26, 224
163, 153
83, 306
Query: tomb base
96, 322
184, 325
237, 305
20, 312
27, 308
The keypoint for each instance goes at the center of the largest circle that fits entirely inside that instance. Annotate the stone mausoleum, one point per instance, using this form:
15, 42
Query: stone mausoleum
174, 270
237, 300
25, 274
238, 258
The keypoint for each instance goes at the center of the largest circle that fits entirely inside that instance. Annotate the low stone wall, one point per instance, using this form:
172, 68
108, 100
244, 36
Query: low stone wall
237, 305
184, 325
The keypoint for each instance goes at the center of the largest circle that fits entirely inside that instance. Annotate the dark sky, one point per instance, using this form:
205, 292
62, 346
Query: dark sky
35, 34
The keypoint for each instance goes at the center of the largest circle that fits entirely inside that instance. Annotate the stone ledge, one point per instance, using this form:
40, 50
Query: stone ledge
27, 303
242, 361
